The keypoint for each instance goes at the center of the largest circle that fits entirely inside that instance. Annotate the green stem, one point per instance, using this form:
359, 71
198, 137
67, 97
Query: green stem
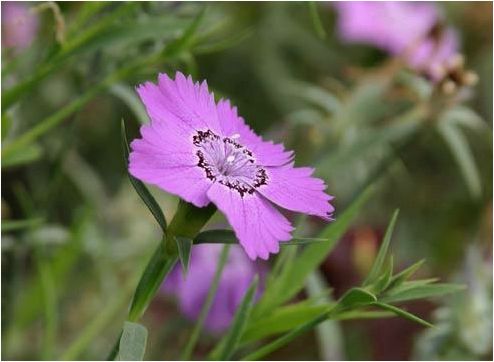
187, 222
187, 352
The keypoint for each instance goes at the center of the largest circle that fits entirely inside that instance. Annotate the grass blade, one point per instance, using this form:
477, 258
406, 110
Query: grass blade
383, 250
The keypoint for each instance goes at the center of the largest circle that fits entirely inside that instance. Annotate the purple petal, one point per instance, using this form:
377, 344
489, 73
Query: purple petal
257, 224
266, 153
296, 190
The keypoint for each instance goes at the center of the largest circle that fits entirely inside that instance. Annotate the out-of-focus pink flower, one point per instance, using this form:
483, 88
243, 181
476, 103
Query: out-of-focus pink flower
411, 30
191, 291
19, 25
204, 152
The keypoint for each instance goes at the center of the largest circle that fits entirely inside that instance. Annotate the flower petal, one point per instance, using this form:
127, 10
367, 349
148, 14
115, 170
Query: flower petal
296, 190
266, 153
257, 224
169, 164
190, 102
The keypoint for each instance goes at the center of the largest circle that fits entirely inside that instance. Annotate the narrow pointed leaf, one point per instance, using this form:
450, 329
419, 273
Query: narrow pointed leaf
158, 267
383, 282
405, 274
189, 347
282, 320
293, 280
184, 246
383, 250
140, 188
228, 237
463, 155
286, 338
231, 340
22, 156
132, 344
422, 291
402, 313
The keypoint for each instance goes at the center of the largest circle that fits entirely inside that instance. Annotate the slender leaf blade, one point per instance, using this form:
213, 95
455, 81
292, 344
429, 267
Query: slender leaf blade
405, 274
402, 313
383, 250
293, 280
239, 322
184, 246
140, 188
422, 291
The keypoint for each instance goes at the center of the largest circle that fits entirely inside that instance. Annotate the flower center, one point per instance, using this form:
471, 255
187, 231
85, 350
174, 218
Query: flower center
226, 161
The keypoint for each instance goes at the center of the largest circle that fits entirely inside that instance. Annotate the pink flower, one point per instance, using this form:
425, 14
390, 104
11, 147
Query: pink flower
204, 152
19, 25
191, 291
408, 29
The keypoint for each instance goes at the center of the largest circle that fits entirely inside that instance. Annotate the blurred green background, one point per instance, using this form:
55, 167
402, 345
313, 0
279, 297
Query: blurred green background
75, 236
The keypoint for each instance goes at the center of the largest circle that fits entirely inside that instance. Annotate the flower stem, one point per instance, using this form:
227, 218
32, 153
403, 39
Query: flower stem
187, 352
187, 222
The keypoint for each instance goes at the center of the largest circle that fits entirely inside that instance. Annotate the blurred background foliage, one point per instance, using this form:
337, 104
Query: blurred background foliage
75, 236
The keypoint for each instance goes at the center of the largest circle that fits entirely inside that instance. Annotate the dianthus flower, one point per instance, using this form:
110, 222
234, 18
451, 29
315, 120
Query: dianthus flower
19, 25
411, 30
204, 152
191, 291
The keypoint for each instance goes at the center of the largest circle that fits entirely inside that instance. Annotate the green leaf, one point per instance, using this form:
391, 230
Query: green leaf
355, 297
418, 291
405, 274
463, 156
188, 37
22, 156
189, 348
228, 237
132, 342
362, 314
282, 319
402, 313
292, 281
384, 280
158, 267
231, 340
464, 116
316, 20
140, 188
281, 341
184, 249
14, 225
383, 250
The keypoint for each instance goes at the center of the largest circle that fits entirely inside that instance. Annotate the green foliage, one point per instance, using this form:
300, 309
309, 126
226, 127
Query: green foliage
139, 186
132, 343
377, 291
184, 246
189, 347
292, 279
229, 343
